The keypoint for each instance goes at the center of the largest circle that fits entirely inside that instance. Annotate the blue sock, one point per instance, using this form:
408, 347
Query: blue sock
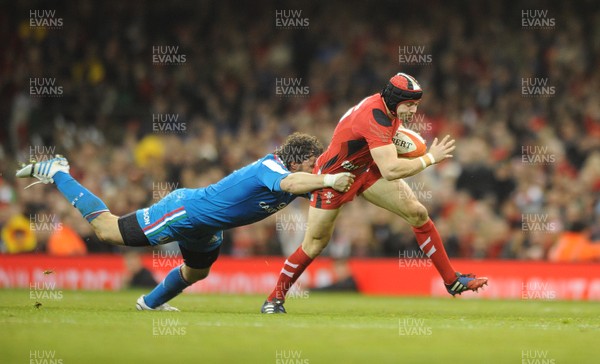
170, 287
86, 202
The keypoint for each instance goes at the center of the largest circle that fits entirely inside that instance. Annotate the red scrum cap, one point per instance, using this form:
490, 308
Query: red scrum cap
401, 88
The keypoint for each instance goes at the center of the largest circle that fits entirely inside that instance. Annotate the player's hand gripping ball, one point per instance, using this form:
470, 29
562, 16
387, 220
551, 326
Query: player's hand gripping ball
409, 144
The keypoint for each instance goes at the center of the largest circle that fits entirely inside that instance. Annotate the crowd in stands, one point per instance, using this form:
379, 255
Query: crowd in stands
521, 100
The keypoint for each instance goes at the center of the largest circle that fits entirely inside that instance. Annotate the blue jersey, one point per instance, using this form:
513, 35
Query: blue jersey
245, 196
196, 216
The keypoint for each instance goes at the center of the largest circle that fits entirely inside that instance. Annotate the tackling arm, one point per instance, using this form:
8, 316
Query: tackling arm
300, 183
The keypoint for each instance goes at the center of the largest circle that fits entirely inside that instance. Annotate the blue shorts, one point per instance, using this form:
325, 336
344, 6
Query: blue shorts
167, 221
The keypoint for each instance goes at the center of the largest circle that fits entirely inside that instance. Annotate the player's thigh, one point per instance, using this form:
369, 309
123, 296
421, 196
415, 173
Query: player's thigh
320, 228
396, 196
106, 227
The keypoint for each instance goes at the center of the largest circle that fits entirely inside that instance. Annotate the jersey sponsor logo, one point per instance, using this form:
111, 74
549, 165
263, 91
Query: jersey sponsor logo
347, 165
271, 210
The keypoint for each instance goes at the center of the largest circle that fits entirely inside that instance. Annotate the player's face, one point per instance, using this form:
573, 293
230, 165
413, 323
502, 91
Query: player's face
406, 110
308, 164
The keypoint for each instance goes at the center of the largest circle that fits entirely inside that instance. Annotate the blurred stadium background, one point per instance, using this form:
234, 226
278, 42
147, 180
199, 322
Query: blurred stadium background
144, 99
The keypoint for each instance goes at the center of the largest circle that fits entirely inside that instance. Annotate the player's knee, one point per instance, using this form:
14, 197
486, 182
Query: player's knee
417, 214
108, 236
103, 235
106, 229
193, 275
314, 245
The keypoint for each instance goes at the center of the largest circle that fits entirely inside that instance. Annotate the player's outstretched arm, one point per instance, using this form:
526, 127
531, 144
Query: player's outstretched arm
299, 183
392, 167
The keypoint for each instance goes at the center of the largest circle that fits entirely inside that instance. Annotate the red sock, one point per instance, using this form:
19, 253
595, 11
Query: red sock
292, 269
431, 244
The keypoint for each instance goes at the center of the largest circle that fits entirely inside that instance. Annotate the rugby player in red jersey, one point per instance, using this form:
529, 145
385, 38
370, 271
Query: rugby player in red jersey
362, 144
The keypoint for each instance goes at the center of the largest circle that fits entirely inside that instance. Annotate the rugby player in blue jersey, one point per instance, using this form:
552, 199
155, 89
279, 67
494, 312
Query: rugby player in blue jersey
195, 218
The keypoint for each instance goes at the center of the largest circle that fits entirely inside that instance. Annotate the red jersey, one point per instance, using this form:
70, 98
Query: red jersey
363, 127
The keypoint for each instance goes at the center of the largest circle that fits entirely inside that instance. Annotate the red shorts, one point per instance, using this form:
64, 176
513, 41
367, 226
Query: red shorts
330, 199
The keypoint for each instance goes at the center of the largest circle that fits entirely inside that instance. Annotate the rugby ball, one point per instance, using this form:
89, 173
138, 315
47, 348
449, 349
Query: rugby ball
409, 144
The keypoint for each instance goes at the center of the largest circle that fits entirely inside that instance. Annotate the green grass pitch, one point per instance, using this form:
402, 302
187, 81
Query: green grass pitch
104, 327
